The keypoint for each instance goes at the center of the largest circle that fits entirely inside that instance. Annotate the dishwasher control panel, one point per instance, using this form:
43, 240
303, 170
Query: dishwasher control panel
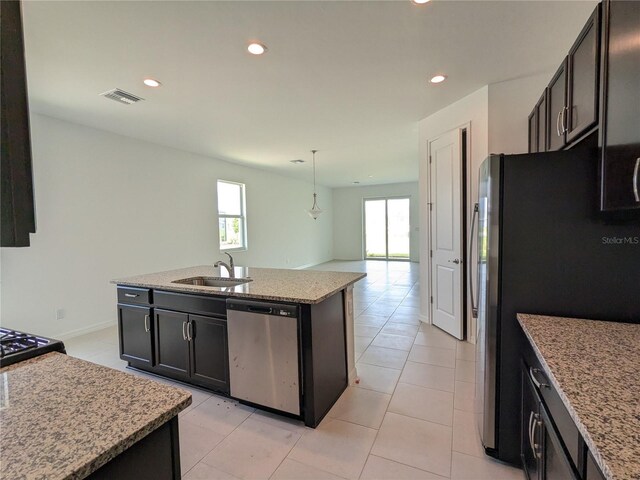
262, 308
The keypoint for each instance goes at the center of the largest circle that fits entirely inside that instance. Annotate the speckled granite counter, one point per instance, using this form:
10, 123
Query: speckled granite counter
299, 286
594, 366
63, 418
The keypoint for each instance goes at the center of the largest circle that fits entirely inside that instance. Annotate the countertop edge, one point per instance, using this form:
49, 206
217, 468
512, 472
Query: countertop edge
104, 458
206, 291
593, 449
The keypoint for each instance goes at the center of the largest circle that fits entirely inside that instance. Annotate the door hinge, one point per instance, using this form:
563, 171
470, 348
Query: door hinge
431, 253
431, 299
430, 159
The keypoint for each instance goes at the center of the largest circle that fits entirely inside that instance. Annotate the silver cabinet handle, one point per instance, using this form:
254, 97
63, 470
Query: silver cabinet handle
564, 123
534, 446
532, 372
131, 295
189, 331
531, 442
474, 304
558, 123
147, 325
635, 180
184, 331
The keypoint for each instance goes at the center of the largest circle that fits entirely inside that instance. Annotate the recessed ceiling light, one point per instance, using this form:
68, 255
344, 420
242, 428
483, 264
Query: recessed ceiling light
256, 48
438, 79
370, 176
151, 82
297, 160
420, 2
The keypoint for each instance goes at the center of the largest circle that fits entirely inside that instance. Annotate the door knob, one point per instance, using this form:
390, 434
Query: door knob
456, 261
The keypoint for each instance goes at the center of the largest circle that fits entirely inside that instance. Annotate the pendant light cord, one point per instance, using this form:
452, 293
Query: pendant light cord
314, 171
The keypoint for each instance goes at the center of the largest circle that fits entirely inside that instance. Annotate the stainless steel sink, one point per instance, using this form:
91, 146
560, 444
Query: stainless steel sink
220, 282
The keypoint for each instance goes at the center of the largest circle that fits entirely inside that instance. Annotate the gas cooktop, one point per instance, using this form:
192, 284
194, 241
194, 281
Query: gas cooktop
17, 346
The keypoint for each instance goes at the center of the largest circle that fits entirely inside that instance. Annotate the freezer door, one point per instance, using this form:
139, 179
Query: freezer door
486, 347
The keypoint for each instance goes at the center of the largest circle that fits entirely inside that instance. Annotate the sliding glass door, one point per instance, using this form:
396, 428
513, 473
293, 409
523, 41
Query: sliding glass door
387, 228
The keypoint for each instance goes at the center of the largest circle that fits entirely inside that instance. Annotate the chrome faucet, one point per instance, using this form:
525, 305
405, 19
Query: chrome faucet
229, 266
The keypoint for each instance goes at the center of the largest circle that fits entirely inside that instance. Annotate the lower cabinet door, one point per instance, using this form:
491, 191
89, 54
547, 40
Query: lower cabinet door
209, 352
135, 334
172, 345
529, 447
555, 462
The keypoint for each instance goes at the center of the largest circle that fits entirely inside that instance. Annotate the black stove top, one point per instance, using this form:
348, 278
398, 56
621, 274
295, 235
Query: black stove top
17, 346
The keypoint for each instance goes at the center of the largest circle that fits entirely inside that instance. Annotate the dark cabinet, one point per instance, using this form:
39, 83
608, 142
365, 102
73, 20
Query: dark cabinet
529, 443
538, 126
543, 453
164, 332
554, 462
582, 80
192, 347
557, 106
136, 336
16, 178
620, 107
541, 118
569, 106
172, 346
209, 352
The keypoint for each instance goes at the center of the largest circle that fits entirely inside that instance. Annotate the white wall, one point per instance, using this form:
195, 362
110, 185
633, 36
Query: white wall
348, 217
510, 103
110, 206
473, 110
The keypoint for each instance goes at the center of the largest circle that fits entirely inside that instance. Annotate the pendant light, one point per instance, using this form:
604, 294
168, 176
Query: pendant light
315, 210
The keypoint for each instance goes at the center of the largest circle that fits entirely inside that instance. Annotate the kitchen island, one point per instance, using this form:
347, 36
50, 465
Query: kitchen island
175, 325
586, 374
66, 418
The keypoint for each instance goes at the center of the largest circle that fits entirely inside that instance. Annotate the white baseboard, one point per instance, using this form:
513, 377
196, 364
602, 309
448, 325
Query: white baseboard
84, 330
308, 265
424, 318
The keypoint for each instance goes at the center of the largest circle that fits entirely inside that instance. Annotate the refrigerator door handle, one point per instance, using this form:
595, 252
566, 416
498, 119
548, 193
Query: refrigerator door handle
635, 180
474, 303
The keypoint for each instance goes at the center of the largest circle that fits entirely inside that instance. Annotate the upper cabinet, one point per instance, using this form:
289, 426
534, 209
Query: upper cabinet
597, 88
620, 106
557, 98
17, 206
583, 65
537, 126
570, 101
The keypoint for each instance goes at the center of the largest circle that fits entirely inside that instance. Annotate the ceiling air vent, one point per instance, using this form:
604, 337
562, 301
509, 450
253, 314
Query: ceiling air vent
121, 96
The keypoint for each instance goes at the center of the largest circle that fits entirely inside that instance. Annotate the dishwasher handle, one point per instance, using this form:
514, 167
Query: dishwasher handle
262, 310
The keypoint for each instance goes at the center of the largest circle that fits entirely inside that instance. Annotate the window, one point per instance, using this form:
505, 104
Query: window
232, 219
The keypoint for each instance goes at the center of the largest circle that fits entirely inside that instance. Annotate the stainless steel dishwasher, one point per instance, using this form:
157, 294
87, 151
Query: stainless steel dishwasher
263, 354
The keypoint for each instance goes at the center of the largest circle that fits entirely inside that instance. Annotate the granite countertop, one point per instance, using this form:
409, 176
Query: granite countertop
63, 418
299, 286
594, 367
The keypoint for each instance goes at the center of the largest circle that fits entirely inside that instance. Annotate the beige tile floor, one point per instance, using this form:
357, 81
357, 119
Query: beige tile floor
410, 417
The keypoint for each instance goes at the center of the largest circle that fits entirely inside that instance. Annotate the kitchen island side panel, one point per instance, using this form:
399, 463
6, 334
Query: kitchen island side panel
324, 356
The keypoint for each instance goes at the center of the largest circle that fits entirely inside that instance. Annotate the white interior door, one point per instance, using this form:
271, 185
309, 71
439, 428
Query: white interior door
446, 239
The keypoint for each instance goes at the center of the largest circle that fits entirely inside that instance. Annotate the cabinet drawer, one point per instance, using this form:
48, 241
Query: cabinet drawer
559, 414
138, 296
202, 304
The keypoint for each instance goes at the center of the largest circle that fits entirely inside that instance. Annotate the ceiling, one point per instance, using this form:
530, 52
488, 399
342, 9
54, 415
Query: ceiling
347, 78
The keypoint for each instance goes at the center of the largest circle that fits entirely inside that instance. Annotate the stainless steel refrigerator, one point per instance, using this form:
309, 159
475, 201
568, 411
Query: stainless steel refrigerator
544, 248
